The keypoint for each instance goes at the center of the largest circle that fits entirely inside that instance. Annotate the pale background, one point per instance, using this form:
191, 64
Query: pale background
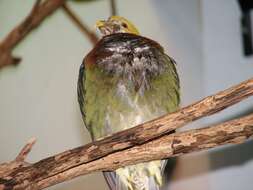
38, 98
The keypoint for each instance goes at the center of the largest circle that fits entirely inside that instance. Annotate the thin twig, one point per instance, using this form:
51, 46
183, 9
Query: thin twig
25, 150
113, 7
77, 21
18, 33
6, 57
19, 161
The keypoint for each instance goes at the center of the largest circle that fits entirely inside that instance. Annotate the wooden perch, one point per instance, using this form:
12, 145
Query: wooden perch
148, 141
36, 176
235, 131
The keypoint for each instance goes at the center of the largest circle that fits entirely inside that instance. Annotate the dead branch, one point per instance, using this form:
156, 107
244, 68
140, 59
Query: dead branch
38, 14
113, 7
25, 150
148, 141
6, 168
167, 146
83, 28
37, 176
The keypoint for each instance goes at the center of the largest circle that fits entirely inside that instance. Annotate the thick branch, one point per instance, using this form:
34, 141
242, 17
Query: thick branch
37, 15
83, 28
128, 143
235, 131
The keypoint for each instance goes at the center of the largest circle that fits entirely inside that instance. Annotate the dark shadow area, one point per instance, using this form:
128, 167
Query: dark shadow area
221, 158
235, 155
168, 170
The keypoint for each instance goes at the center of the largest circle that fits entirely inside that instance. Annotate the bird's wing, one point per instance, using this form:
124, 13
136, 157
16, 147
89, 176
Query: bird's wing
81, 89
81, 95
175, 78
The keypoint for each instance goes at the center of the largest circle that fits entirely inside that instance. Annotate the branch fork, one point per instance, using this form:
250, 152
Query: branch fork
39, 12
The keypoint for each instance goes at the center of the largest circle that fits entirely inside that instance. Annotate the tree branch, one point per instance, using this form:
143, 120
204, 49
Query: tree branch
83, 28
235, 132
6, 168
113, 7
148, 141
25, 150
39, 12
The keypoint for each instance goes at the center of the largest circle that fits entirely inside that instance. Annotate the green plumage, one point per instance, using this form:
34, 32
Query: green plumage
124, 81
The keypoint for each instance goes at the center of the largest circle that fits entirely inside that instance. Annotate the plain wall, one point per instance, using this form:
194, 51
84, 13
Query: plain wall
231, 167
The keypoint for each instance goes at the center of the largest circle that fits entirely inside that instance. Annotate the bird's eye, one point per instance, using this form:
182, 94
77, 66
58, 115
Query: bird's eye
124, 25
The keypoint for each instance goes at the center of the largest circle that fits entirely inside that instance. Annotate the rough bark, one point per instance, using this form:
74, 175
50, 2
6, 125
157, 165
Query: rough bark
7, 168
145, 142
37, 176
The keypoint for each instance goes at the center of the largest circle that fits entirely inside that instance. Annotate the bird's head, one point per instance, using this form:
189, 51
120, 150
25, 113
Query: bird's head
116, 24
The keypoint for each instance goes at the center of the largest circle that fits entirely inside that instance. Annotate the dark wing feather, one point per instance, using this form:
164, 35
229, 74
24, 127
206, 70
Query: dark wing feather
111, 180
81, 95
81, 89
175, 74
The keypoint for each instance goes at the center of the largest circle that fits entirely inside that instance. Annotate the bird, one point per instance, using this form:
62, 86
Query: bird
125, 80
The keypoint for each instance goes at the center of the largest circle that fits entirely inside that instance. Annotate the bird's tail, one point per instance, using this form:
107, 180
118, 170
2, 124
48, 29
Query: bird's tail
144, 176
